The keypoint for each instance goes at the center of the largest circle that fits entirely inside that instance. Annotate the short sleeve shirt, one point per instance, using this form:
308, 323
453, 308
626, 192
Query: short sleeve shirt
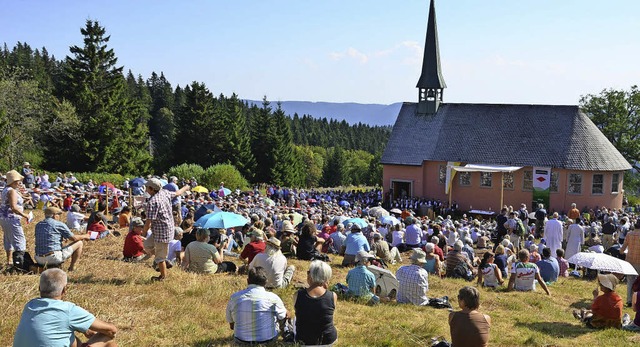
525, 276
51, 323
360, 281
158, 210
49, 235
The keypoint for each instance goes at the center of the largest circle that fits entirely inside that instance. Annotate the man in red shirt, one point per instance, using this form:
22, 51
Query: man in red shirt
257, 245
134, 242
68, 201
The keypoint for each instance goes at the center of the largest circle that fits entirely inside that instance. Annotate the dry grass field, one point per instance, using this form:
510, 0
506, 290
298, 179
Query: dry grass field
189, 309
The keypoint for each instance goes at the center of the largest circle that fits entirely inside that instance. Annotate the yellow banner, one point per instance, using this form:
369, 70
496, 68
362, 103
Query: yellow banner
451, 173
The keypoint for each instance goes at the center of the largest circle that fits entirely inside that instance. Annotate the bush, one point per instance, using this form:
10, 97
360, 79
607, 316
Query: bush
187, 171
99, 177
226, 173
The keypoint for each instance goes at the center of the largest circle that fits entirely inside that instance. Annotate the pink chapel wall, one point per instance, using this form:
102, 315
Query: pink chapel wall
425, 183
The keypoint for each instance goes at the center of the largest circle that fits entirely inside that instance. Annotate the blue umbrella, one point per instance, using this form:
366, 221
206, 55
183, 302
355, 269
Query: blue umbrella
137, 182
344, 203
223, 220
389, 220
226, 191
358, 221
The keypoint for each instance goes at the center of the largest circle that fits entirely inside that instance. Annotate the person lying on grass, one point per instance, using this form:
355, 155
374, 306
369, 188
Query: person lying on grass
50, 321
606, 310
524, 274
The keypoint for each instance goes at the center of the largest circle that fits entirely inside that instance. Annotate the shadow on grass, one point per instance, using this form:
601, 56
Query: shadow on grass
556, 329
584, 303
89, 279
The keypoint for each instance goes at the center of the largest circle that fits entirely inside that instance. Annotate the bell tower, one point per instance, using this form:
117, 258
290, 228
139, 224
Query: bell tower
431, 83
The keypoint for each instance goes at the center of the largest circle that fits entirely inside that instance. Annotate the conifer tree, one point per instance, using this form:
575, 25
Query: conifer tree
114, 129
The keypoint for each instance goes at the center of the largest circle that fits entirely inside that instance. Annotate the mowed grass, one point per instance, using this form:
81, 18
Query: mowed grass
189, 309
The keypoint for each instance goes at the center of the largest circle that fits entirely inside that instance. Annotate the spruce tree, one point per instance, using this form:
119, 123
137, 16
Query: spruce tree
114, 128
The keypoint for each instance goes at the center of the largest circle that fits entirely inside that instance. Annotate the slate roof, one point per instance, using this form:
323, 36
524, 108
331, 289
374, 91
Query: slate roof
431, 76
517, 135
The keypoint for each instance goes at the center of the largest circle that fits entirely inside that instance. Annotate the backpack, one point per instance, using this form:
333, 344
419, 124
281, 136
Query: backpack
462, 271
520, 229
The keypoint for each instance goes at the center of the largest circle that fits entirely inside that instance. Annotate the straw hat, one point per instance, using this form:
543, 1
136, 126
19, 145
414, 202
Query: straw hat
13, 176
287, 227
274, 242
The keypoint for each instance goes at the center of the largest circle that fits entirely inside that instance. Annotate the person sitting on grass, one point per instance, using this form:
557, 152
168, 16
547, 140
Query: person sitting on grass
489, 275
606, 310
124, 218
50, 321
274, 263
433, 264
315, 307
133, 250
354, 243
562, 263
49, 236
251, 249
255, 314
524, 274
76, 221
175, 247
549, 267
202, 257
413, 280
468, 327
361, 282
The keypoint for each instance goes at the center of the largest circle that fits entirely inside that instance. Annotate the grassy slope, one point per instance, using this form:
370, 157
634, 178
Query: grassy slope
189, 310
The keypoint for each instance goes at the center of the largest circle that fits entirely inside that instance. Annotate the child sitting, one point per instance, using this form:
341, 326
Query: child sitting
606, 310
133, 250
563, 263
175, 247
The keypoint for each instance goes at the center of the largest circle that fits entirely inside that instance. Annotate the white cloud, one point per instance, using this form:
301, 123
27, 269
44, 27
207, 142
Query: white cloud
354, 53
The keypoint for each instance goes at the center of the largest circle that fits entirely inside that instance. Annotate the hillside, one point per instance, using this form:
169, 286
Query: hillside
353, 113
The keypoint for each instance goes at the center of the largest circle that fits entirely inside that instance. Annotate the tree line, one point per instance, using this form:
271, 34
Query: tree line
83, 113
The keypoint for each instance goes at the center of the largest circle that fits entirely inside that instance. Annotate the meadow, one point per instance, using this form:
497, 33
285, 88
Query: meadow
189, 309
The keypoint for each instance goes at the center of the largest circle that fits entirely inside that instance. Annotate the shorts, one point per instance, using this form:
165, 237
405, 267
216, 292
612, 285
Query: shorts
159, 249
58, 257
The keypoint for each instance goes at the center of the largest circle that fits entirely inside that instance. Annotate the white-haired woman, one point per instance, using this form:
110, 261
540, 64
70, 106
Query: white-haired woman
433, 264
315, 307
11, 214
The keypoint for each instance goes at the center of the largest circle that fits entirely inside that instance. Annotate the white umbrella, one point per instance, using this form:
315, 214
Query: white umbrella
378, 212
386, 282
602, 262
395, 210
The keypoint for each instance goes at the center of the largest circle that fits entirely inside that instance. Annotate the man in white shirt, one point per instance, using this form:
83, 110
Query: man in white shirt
254, 313
274, 263
524, 274
413, 281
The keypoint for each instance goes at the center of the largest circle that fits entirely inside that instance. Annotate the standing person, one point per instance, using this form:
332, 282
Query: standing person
27, 175
632, 244
608, 231
413, 280
11, 214
553, 233
574, 213
575, 238
160, 222
468, 327
50, 321
541, 216
315, 307
501, 230
254, 313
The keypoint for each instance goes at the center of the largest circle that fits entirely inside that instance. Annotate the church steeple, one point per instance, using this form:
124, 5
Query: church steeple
431, 83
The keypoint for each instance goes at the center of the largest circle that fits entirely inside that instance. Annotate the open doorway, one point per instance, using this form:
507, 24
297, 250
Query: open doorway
401, 189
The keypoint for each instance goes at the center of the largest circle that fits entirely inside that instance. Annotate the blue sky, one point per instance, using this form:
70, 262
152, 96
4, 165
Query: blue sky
495, 51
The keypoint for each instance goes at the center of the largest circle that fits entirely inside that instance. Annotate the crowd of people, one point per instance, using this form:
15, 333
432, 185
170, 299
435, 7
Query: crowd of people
521, 249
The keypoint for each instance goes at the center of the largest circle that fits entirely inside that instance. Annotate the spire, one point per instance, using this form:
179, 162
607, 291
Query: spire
431, 82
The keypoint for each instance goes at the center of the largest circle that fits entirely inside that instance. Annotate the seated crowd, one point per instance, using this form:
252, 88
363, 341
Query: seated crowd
166, 230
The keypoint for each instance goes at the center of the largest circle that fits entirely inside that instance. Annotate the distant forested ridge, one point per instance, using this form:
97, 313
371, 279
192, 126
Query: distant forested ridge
85, 113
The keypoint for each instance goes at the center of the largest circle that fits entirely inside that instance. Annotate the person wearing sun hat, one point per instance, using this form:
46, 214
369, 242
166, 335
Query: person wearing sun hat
606, 310
11, 214
413, 280
360, 281
274, 263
